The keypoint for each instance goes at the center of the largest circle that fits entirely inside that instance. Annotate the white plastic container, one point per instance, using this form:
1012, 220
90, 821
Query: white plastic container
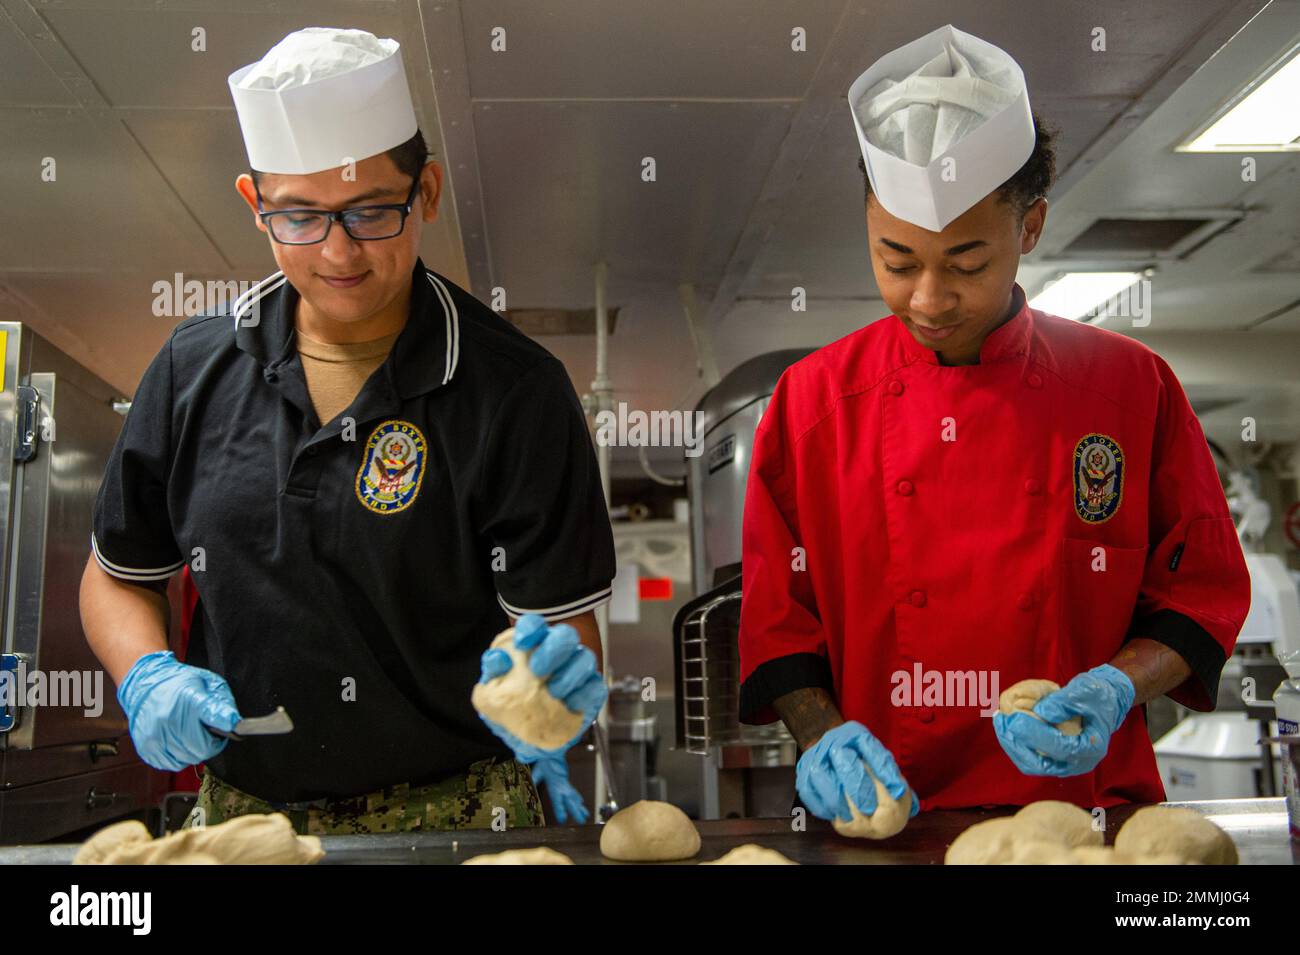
1210, 756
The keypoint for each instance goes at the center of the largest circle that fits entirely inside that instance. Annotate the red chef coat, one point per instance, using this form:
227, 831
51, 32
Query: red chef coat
902, 514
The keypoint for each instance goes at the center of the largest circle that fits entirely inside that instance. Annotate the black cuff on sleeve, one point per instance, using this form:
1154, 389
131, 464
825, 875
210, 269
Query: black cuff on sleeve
1194, 644
775, 678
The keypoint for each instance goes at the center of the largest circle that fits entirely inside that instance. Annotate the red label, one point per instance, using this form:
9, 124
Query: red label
656, 588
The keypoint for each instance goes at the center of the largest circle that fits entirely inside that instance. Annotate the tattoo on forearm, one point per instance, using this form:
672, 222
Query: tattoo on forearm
807, 714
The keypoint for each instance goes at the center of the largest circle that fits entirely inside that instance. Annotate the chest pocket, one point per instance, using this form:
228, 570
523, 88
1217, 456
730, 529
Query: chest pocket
1099, 587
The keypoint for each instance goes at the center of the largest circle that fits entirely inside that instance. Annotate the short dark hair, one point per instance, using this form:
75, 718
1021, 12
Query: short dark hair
1032, 180
409, 157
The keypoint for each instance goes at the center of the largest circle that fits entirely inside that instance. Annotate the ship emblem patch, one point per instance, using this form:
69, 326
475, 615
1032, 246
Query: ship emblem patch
1098, 478
392, 467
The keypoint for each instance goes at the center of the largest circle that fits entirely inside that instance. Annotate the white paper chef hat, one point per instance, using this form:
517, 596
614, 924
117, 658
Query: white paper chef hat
942, 122
321, 97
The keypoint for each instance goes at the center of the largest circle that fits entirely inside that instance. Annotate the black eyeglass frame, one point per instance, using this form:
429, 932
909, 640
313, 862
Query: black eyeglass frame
340, 217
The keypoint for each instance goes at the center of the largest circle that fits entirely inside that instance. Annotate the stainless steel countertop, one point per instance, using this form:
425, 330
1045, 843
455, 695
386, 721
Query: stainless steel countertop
1257, 826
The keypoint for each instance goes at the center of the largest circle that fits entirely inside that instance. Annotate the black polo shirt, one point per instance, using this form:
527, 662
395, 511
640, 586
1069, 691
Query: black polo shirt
357, 582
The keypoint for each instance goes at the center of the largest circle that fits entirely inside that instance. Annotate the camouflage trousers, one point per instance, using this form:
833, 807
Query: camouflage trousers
462, 802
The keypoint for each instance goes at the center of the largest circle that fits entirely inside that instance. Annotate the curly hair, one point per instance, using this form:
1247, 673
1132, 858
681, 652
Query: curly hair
1031, 181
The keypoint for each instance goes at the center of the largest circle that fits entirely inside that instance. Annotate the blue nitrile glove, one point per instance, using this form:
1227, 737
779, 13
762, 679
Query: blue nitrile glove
833, 767
571, 676
167, 704
1102, 697
553, 772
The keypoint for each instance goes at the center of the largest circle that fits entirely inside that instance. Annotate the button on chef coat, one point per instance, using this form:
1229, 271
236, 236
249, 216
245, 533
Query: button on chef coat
903, 516
355, 576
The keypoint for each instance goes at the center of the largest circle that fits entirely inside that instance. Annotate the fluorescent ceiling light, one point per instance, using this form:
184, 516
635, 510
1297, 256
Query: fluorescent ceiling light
1078, 294
1263, 118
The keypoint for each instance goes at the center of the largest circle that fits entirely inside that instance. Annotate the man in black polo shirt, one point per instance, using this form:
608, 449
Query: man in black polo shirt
368, 472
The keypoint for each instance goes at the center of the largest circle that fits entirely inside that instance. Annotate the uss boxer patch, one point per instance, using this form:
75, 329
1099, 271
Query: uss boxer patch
392, 467
1098, 478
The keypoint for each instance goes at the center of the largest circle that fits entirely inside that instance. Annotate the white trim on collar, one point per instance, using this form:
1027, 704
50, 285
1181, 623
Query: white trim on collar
453, 325
449, 311
256, 294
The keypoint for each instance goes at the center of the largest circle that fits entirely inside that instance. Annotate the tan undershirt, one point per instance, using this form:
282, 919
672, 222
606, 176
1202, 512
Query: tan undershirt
335, 373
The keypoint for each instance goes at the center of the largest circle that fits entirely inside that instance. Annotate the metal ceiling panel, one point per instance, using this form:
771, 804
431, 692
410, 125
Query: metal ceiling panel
685, 49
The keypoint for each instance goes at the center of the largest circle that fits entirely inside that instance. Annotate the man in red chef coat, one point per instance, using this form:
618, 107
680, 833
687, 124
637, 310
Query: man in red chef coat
973, 493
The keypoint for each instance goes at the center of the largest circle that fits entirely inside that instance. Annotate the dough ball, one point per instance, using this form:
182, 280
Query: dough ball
171, 849
1021, 697
888, 820
267, 839
752, 854
101, 844
1175, 832
542, 855
649, 831
994, 841
1099, 855
519, 701
245, 840
1037, 852
1105, 855
1160, 860
1072, 823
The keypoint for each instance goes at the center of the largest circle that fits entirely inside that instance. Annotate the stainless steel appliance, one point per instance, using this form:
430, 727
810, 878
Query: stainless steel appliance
716, 479
745, 770
65, 767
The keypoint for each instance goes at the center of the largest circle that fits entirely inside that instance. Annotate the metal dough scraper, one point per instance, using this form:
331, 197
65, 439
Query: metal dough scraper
273, 724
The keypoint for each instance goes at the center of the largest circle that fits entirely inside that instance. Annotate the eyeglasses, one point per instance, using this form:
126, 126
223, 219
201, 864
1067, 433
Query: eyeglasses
363, 223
